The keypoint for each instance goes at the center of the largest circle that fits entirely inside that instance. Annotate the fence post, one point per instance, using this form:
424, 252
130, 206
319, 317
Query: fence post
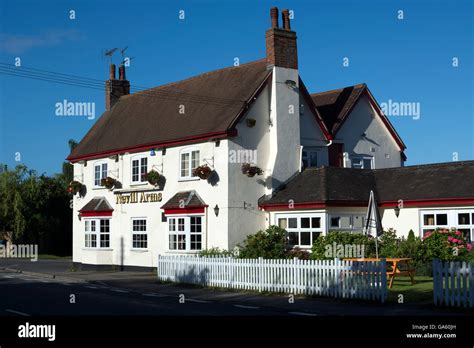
295, 275
260, 273
383, 270
436, 279
158, 264
471, 284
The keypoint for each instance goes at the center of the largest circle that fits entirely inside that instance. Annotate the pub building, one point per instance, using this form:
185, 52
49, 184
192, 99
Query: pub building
204, 162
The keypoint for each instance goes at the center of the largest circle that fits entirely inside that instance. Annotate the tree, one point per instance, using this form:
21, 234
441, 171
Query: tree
68, 168
12, 205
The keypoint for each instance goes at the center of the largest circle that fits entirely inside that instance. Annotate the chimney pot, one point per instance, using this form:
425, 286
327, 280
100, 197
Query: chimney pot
286, 19
122, 72
112, 72
281, 43
114, 89
274, 16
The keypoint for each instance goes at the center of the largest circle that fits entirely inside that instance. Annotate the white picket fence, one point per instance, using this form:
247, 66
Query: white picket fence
453, 283
334, 278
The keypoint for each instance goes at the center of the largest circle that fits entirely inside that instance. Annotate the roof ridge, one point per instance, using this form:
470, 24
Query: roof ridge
339, 89
440, 164
195, 77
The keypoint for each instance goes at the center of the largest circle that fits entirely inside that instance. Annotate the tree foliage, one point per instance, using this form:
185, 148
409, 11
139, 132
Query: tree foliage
35, 209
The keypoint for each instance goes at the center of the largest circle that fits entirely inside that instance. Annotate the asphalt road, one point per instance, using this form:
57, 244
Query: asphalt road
27, 295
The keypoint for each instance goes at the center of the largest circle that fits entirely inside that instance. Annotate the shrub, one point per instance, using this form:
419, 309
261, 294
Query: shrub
412, 247
269, 244
389, 244
342, 238
215, 252
298, 253
446, 245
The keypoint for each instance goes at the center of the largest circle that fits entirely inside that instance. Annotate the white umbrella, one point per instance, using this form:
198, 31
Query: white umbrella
373, 223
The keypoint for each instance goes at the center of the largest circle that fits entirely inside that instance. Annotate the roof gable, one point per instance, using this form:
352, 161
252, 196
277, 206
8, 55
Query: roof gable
184, 200
335, 106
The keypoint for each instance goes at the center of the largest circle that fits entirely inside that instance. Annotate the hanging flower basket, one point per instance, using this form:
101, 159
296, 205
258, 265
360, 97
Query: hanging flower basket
153, 177
74, 187
203, 172
108, 182
251, 170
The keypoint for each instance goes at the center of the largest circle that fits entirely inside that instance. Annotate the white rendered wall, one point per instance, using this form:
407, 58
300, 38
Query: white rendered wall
311, 134
120, 226
284, 151
245, 191
377, 142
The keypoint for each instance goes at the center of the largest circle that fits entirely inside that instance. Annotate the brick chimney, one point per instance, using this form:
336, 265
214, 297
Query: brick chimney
114, 89
281, 42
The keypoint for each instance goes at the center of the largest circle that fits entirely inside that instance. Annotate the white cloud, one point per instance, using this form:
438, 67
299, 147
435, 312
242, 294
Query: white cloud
17, 44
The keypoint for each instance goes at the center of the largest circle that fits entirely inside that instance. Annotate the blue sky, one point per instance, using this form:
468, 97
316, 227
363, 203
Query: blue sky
407, 60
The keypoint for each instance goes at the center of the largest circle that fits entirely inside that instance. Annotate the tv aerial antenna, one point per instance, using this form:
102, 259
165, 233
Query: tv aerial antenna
125, 59
110, 53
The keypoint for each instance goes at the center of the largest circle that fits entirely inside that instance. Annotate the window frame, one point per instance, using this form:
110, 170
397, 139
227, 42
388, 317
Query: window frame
145, 232
141, 176
452, 220
362, 158
101, 172
189, 174
97, 233
298, 229
186, 232
351, 227
309, 151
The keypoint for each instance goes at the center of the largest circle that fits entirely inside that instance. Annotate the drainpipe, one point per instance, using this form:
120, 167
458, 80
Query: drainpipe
207, 224
301, 157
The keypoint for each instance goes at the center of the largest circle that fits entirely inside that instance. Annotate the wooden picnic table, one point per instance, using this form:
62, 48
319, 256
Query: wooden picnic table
394, 264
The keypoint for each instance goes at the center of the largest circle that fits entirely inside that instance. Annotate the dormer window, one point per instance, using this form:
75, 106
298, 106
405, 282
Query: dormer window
139, 169
189, 159
100, 172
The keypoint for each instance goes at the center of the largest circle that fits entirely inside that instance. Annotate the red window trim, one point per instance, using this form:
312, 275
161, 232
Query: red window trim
183, 211
384, 204
147, 147
95, 213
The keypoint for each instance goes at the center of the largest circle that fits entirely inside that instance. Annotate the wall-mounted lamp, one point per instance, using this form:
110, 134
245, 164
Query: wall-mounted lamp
79, 216
152, 152
216, 210
397, 211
